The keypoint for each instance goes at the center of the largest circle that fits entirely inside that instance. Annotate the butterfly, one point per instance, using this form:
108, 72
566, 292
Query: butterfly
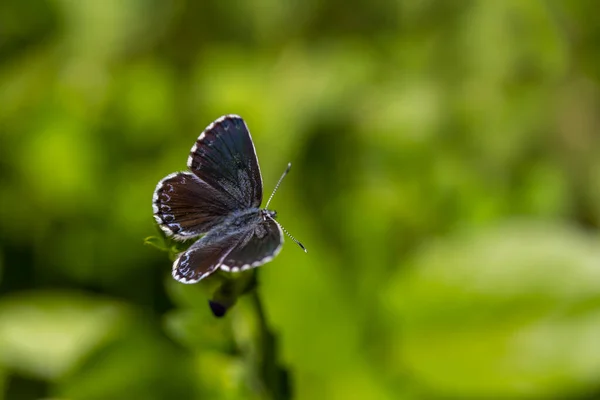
218, 200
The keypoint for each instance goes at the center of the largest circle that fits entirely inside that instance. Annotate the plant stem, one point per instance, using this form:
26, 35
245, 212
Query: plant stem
275, 378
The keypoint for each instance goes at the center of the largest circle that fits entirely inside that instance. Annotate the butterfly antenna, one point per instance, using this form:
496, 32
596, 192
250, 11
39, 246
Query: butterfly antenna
290, 235
289, 166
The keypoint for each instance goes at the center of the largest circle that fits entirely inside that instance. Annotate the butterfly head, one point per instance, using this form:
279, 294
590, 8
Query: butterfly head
268, 214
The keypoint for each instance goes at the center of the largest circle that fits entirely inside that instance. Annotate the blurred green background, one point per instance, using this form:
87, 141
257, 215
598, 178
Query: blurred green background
446, 182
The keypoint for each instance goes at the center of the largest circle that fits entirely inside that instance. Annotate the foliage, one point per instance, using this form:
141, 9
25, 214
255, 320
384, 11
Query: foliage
446, 183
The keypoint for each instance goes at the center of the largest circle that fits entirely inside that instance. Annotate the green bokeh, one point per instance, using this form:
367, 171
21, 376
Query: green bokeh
446, 183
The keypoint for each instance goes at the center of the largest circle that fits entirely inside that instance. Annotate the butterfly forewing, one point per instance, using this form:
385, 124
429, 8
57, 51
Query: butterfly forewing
185, 207
224, 157
259, 247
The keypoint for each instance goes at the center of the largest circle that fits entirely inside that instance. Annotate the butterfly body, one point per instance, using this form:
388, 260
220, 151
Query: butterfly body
240, 227
218, 201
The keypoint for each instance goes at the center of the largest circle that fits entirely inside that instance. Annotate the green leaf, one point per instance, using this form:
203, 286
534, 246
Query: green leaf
47, 334
166, 245
156, 242
507, 312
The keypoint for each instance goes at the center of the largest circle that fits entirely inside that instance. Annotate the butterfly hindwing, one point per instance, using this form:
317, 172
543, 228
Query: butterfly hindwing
259, 247
185, 207
203, 257
224, 157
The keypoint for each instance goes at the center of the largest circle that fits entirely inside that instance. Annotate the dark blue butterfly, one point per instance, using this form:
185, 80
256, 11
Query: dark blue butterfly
219, 197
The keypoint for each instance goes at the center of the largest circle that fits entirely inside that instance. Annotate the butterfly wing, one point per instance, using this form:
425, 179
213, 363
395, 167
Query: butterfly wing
185, 206
224, 157
225, 177
204, 257
257, 248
